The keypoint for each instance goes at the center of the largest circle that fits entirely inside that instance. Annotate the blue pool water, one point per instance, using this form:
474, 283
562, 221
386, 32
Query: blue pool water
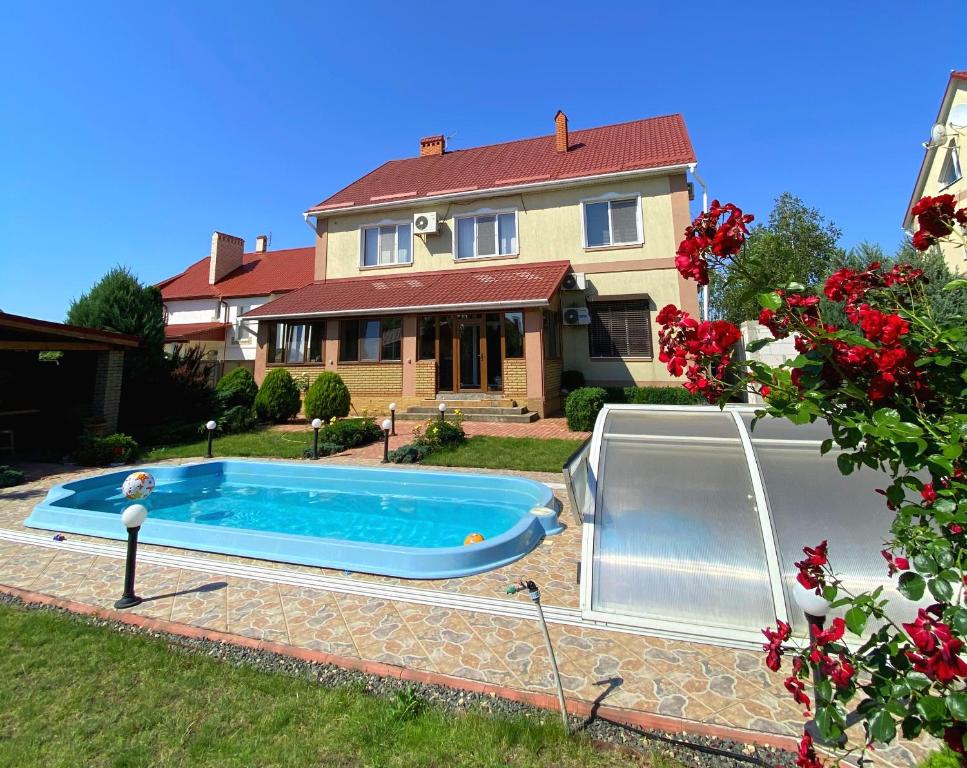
392, 521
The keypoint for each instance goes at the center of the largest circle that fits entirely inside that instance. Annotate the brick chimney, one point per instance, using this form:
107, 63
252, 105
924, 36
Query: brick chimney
432, 145
261, 243
226, 256
560, 129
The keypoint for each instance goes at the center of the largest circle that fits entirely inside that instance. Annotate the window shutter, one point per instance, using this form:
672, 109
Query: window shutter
620, 329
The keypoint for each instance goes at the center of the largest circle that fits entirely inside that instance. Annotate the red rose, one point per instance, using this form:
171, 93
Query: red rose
928, 493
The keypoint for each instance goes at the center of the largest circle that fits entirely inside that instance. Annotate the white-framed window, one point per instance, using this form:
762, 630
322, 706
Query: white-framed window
950, 170
386, 244
487, 234
612, 221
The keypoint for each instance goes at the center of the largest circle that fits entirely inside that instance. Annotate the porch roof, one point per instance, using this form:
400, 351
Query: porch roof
517, 285
195, 332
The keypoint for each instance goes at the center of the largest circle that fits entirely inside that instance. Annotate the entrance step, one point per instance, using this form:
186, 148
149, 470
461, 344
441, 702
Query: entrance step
479, 414
466, 410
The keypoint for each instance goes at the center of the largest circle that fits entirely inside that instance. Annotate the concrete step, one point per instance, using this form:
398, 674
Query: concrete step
432, 410
499, 418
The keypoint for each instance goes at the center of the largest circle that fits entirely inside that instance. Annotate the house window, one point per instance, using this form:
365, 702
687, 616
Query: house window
552, 335
611, 222
427, 338
296, 343
619, 328
369, 340
513, 334
387, 244
493, 234
950, 171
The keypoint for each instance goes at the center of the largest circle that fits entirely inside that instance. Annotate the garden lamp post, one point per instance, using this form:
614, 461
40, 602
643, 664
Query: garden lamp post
210, 426
443, 410
316, 426
392, 418
535, 595
387, 425
132, 517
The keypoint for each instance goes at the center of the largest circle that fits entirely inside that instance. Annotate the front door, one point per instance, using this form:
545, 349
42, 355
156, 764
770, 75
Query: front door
472, 361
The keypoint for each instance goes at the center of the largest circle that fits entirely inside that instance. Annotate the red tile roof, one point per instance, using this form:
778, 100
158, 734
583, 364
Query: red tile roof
479, 287
195, 332
638, 145
961, 75
259, 275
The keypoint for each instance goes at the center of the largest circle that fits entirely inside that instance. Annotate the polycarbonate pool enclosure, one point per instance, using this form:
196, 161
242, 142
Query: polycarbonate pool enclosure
692, 521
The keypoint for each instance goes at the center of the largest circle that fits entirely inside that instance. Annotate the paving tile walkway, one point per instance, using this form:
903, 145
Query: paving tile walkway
692, 682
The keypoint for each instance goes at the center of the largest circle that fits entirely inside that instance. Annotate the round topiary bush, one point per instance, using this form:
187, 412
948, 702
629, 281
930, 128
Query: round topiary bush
278, 397
327, 397
237, 387
571, 380
582, 406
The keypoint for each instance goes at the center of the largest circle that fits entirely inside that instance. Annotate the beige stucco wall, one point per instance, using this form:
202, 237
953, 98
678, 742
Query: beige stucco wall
956, 257
549, 227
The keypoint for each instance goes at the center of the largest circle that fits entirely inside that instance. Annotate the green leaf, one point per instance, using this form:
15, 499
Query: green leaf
941, 590
882, 727
911, 585
947, 506
829, 721
770, 300
795, 287
826, 446
856, 620
845, 463
755, 346
885, 416
911, 727
957, 705
953, 285
932, 709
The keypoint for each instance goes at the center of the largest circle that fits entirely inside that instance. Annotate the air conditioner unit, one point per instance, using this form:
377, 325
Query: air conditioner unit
424, 223
577, 316
574, 281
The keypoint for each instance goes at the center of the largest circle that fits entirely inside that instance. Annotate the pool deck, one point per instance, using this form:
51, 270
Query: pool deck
466, 628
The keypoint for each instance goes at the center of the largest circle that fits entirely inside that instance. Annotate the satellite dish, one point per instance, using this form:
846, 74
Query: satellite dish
937, 134
958, 116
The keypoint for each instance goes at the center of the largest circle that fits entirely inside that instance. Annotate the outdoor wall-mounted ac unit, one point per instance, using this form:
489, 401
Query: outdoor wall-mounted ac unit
424, 223
574, 281
577, 316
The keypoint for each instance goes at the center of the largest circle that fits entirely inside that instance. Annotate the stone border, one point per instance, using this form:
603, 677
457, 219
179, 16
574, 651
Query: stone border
671, 726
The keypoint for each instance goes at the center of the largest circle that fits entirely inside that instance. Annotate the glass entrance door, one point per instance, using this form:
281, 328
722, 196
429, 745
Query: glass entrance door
471, 354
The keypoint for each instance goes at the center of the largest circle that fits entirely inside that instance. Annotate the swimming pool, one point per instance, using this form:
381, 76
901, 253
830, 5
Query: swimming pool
395, 522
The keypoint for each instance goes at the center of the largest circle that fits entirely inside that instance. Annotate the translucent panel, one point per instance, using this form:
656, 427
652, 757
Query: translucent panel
465, 238
507, 226
624, 221
672, 424
371, 247
780, 429
597, 230
486, 235
404, 253
673, 543
810, 501
577, 482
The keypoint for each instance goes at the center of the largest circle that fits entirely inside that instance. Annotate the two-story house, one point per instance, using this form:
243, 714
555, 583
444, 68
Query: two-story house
494, 269
205, 303
940, 171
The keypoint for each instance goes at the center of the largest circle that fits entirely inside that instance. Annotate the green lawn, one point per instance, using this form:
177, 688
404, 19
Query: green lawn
524, 453
263, 442
77, 694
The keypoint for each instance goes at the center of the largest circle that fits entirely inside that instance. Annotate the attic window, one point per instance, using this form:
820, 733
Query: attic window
950, 171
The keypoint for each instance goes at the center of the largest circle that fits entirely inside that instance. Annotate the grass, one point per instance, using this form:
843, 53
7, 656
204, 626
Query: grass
524, 453
80, 694
261, 443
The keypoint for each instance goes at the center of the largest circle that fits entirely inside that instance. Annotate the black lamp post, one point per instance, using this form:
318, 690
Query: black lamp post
316, 426
443, 410
132, 517
210, 426
392, 418
387, 425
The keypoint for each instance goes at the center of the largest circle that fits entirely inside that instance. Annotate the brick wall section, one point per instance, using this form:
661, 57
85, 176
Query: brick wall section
107, 387
426, 378
772, 354
515, 378
375, 379
552, 386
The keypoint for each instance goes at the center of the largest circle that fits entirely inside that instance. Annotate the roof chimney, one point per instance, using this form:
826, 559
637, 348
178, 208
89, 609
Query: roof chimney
226, 256
560, 125
261, 243
432, 145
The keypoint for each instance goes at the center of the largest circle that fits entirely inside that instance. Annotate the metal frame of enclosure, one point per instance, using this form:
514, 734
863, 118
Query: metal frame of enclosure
692, 520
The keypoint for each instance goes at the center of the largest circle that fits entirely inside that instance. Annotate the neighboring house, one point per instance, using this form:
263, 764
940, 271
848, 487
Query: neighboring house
491, 270
941, 170
205, 303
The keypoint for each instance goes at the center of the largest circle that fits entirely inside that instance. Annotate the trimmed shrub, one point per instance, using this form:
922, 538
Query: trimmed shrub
327, 397
582, 406
440, 433
616, 394
10, 476
351, 433
410, 454
239, 418
92, 451
278, 397
571, 380
236, 388
325, 449
661, 396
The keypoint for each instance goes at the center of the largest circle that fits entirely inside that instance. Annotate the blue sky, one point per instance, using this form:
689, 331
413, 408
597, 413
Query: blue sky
130, 131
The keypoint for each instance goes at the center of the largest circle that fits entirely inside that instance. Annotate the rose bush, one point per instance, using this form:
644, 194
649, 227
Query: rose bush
892, 385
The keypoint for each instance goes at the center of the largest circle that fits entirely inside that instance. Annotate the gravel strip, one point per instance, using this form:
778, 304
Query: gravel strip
690, 749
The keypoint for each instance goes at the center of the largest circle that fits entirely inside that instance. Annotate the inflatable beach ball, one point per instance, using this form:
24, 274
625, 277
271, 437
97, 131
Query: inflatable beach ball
473, 538
137, 485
